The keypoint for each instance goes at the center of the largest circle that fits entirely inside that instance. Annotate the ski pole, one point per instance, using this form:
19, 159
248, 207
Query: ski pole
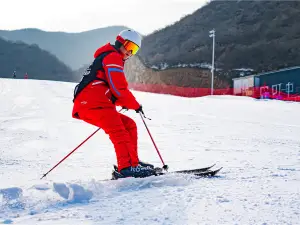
72, 151
165, 167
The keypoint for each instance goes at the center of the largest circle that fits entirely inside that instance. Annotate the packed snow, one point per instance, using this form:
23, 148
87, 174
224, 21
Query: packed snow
255, 141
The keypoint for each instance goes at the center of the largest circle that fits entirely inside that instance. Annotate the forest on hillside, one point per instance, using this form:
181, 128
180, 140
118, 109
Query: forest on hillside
262, 35
30, 59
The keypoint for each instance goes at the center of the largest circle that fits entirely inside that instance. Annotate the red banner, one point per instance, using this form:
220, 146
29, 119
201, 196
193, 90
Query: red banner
258, 92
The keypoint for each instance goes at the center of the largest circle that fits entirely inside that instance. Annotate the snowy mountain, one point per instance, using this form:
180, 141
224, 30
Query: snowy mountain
257, 143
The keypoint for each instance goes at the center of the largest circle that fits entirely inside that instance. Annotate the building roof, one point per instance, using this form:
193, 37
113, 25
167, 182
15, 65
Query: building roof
243, 77
278, 71
271, 72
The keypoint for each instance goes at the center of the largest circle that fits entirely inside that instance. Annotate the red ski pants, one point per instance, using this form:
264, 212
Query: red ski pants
122, 132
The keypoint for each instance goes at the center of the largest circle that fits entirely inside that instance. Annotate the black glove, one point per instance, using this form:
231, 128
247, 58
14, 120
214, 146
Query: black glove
140, 110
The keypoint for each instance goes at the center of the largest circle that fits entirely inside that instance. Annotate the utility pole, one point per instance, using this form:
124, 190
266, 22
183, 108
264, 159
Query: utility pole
212, 34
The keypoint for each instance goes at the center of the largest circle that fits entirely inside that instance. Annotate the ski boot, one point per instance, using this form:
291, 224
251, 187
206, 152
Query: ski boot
145, 164
138, 171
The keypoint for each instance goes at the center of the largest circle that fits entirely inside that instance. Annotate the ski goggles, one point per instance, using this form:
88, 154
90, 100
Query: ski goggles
131, 47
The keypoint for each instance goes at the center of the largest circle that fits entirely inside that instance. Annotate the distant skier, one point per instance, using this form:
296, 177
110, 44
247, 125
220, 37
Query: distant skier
15, 74
26, 76
102, 88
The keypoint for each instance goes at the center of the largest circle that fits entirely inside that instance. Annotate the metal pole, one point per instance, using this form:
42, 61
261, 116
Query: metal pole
212, 34
213, 65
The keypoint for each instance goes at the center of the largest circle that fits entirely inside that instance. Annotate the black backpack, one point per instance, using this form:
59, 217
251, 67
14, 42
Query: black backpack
90, 74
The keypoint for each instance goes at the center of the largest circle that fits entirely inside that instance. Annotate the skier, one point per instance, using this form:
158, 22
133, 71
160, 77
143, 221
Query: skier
102, 88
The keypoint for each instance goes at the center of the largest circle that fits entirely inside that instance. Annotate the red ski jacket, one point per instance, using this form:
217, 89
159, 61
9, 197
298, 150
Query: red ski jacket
98, 94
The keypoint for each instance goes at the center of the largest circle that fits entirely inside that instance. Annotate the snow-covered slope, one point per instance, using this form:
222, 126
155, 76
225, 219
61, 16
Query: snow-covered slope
257, 143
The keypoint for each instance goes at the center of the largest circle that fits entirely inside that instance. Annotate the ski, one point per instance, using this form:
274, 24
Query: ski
208, 173
205, 173
201, 172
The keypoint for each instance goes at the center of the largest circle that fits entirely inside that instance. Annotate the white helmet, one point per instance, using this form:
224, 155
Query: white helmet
130, 35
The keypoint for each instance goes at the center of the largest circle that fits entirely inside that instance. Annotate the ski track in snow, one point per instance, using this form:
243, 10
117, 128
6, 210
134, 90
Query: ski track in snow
256, 141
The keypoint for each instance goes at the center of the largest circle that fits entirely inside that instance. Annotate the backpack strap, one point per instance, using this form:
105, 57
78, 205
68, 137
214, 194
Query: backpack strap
90, 74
